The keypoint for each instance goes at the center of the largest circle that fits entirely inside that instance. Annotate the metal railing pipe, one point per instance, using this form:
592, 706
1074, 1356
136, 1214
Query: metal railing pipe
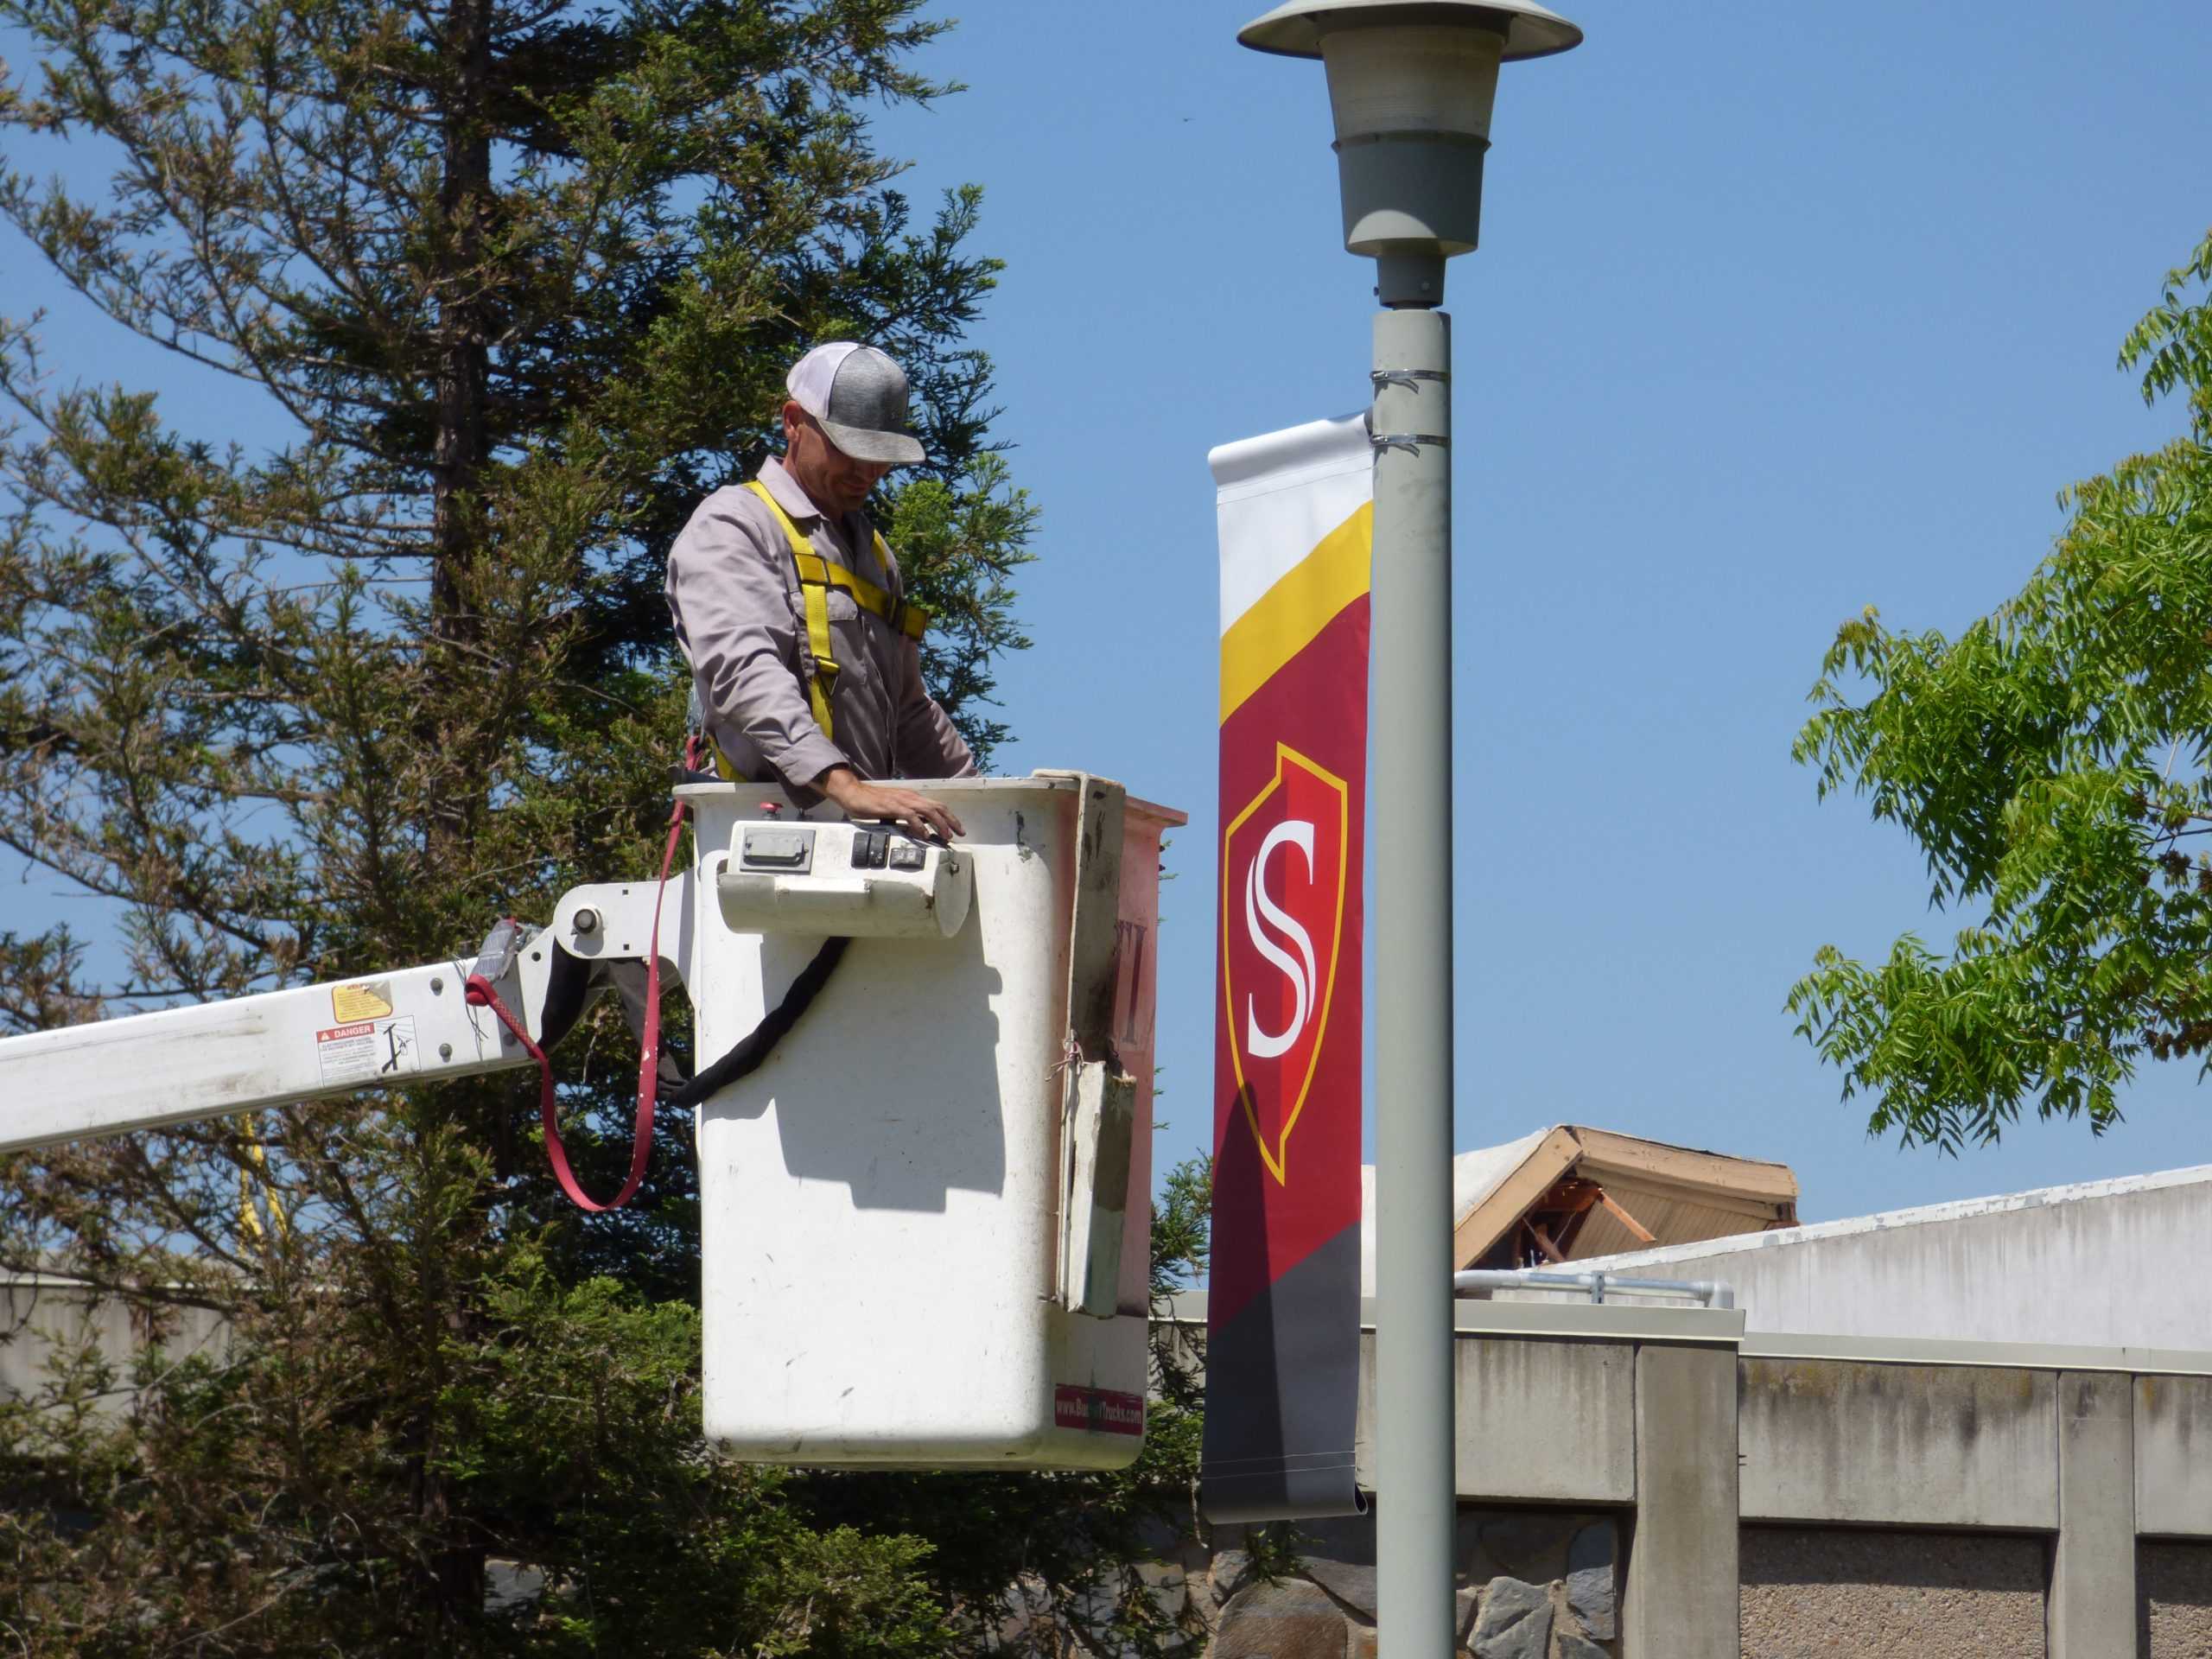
1711, 1292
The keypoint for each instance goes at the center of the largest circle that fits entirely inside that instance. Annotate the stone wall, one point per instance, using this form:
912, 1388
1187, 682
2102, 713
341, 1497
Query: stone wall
1824, 1593
2173, 1588
1543, 1583
1534, 1583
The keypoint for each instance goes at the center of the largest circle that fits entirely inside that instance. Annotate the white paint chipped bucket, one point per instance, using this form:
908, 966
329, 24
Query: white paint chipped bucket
925, 1233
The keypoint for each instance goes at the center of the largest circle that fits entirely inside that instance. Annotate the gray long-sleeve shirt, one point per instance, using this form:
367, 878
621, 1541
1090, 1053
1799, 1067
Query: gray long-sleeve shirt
741, 620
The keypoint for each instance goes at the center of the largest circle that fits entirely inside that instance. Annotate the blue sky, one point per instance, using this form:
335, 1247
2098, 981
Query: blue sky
1782, 311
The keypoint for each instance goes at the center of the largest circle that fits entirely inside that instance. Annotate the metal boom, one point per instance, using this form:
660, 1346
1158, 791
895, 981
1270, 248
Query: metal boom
412, 1025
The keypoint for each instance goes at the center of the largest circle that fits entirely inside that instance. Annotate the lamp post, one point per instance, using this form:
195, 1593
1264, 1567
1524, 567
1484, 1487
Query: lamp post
1411, 86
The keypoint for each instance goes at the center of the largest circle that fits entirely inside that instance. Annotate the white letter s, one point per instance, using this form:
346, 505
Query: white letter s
1301, 972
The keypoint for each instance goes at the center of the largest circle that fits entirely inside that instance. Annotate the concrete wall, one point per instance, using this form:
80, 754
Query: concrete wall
1842, 1442
1830, 1495
1653, 1483
1819, 1593
2103, 1264
39, 1315
1679, 1594
1557, 1417
2174, 1587
2173, 1456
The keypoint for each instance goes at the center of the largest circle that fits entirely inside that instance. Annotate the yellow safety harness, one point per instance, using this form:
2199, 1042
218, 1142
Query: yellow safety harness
249, 1215
817, 576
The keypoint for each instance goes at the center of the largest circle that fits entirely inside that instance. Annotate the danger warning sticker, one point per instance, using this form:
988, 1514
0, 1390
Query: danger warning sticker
366, 1050
1102, 1411
369, 1001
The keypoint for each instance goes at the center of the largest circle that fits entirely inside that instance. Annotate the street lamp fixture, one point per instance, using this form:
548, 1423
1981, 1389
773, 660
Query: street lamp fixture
1411, 86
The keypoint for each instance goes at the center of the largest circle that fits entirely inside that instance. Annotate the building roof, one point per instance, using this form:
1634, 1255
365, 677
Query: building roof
2107, 1264
1569, 1192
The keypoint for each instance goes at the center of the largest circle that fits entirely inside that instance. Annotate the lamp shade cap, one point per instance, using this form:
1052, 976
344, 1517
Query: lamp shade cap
1294, 29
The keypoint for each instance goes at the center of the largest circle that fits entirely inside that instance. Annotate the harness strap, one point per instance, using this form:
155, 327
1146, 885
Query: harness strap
249, 1215
822, 678
815, 571
478, 992
817, 577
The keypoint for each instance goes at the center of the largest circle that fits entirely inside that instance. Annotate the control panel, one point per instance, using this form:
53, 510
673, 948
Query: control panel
862, 880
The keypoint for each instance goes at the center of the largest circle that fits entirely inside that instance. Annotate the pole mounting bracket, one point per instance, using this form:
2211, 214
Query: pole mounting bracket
1409, 378
1412, 443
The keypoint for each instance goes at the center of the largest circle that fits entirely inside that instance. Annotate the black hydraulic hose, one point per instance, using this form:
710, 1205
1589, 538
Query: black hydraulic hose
761, 1040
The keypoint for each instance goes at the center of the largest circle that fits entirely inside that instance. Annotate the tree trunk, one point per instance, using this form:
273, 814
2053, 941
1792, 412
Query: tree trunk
454, 1575
463, 370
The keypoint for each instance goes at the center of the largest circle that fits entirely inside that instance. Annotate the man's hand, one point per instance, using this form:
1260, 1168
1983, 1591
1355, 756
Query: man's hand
858, 798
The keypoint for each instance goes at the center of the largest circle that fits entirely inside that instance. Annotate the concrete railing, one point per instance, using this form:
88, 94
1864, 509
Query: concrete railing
2065, 1491
2028, 1498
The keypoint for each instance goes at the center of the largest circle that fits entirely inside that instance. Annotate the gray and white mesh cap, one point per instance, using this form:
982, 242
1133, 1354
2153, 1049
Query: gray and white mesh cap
859, 394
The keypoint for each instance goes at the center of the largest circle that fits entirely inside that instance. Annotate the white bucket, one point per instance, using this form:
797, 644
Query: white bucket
906, 1260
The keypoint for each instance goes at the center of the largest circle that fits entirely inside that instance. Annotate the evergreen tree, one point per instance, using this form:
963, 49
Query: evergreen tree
522, 280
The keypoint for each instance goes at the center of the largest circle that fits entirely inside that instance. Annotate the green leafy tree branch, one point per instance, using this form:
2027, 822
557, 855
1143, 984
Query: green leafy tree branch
2054, 764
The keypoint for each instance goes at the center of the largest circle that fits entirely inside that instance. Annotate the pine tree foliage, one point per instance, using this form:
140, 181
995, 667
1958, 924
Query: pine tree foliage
520, 281
2054, 763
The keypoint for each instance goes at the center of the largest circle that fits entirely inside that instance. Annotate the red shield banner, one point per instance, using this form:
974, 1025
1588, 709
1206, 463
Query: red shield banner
1282, 1289
1284, 868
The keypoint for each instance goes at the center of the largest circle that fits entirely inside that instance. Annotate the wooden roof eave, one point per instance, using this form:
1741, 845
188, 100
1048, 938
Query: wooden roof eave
1489, 1221
1708, 1172
1757, 1190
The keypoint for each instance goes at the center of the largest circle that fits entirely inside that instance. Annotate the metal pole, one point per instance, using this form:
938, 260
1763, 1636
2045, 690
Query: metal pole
1411, 622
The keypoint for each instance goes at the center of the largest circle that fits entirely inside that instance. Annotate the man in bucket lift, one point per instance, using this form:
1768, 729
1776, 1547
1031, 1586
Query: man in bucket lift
804, 653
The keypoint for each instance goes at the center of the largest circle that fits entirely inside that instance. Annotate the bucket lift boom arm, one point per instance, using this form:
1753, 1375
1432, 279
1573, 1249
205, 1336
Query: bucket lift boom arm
412, 1025
975, 1094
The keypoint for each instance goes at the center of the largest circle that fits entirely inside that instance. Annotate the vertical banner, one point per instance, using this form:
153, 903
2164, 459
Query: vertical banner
1282, 1348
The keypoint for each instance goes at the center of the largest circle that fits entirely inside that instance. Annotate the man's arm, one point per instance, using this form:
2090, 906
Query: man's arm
732, 617
859, 798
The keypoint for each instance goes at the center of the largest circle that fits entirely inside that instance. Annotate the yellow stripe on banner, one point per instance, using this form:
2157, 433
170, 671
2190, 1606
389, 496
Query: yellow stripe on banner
1287, 616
